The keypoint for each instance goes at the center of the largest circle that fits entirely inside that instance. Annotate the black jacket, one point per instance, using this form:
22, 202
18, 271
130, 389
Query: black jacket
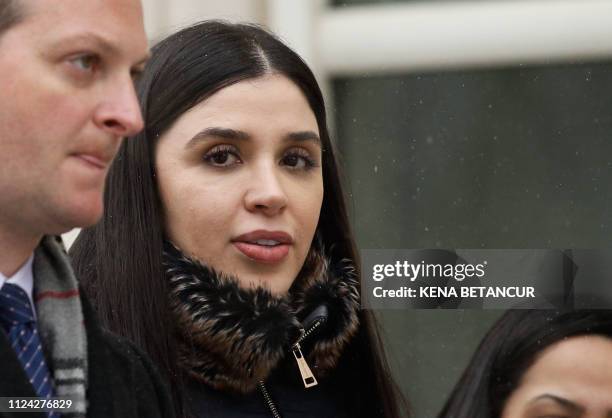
122, 381
326, 400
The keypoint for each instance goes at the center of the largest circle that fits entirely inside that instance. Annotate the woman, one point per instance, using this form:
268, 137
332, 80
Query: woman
537, 364
225, 250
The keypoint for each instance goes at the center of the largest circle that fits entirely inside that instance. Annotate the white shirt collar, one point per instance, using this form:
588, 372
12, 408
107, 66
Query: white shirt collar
23, 278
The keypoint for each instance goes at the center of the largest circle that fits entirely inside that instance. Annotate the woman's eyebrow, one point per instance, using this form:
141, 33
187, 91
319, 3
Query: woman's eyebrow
561, 401
216, 132
303, 136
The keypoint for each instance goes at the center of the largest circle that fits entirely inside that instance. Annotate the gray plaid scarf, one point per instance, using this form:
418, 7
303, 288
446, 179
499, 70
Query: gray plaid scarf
60, 322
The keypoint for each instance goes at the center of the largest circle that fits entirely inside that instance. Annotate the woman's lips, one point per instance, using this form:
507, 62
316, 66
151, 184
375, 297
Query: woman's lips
263, 253
253, 245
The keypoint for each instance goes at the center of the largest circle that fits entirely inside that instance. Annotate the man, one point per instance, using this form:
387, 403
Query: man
66, 101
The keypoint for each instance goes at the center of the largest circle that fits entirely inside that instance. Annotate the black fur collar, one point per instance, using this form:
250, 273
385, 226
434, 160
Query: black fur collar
231, 338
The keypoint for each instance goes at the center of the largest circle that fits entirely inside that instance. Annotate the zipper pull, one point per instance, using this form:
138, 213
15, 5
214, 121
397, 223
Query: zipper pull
307, 376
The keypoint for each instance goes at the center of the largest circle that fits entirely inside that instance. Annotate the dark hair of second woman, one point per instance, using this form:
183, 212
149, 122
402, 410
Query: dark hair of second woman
509, 349
119, 261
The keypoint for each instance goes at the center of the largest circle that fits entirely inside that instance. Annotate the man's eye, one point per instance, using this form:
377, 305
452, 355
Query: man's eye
88, 62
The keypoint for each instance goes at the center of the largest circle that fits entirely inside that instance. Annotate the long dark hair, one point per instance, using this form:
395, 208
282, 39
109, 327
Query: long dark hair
510, 347
119, 261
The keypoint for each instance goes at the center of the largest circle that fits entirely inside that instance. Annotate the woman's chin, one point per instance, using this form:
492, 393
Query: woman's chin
274, 285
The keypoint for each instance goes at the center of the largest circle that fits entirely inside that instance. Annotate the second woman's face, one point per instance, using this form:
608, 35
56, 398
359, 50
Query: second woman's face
241, 182
569, 379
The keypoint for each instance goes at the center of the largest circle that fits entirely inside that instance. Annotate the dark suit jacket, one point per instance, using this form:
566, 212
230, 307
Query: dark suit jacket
122, 382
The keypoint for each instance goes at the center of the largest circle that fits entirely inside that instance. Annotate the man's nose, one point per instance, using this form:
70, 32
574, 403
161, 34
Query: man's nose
119, 112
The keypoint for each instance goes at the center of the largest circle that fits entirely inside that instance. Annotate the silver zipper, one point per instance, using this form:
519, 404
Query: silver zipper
307, 377
309, 331
268, 399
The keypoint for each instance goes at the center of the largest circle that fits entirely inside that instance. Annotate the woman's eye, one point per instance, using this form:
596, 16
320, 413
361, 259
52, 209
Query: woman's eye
298, 161
222, 157
87, 62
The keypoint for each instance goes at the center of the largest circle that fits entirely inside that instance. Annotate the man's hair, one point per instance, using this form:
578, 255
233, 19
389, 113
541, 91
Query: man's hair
9, 14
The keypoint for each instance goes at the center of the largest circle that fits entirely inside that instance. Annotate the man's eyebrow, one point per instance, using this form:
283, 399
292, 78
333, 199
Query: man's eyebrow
561, 401
217, 132
303, 136
103, 44
100, 42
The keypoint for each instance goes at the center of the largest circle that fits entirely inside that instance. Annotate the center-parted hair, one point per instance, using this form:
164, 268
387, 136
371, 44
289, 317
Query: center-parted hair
119, 261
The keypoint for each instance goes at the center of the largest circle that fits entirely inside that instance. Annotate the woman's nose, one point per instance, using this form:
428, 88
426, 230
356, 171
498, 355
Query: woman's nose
266, 193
